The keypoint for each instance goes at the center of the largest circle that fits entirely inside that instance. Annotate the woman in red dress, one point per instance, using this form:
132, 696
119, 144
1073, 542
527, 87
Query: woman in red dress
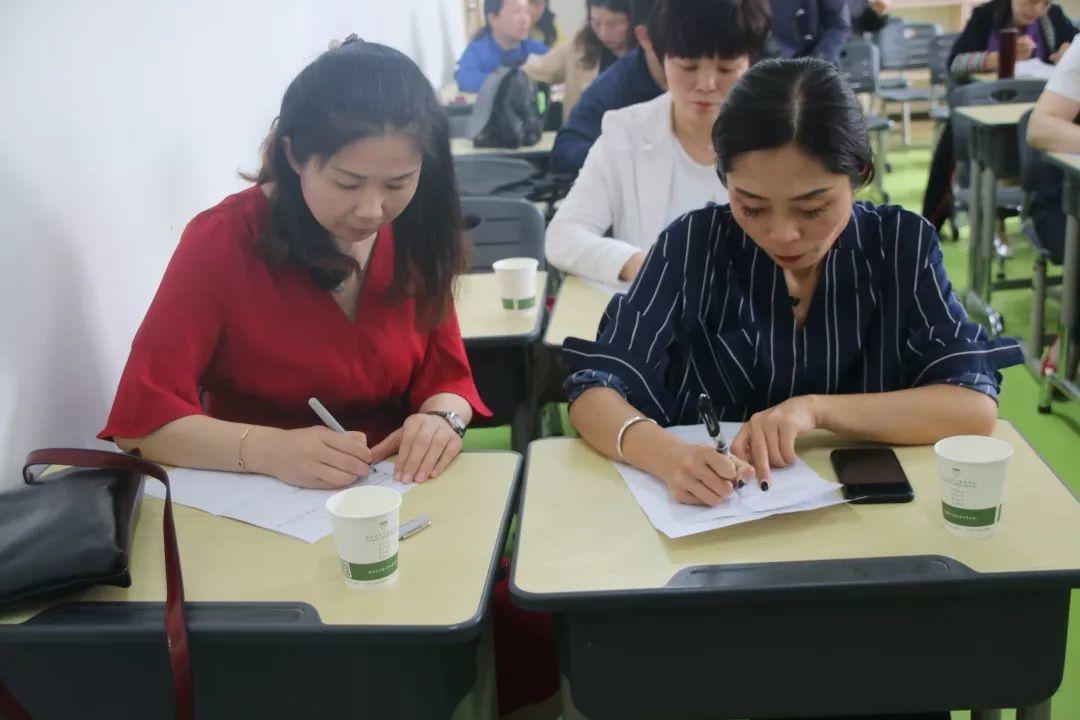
329, 278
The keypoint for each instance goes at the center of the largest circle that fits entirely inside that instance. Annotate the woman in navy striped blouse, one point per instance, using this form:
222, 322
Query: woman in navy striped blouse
794, 307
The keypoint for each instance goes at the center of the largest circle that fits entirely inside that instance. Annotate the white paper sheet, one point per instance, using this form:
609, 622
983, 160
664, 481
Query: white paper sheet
792, 489
263, 501
1033, 68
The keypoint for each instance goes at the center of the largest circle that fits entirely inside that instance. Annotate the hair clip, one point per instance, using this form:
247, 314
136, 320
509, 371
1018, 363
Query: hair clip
352, 37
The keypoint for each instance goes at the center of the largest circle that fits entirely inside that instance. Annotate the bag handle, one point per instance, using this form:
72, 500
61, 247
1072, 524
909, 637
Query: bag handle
175, 624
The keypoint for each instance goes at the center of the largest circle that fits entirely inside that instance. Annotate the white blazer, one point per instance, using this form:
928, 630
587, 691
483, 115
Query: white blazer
625, 185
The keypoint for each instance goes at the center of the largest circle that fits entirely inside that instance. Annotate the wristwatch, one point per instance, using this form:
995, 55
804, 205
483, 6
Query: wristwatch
452, 418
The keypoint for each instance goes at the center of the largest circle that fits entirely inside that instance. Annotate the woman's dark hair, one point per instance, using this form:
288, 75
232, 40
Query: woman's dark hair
546, 26
587, 42
709, 28
363, 90
804, 101
640, 11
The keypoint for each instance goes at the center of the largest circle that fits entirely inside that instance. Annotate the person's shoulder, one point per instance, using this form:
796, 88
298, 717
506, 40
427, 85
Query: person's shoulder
700, 233
890, 230
640, 117
230, 229
535, 47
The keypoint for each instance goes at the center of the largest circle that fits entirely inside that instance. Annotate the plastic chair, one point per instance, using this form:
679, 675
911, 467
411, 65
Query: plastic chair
940, 79
1031, 168
501, 228
859, 63
906, 46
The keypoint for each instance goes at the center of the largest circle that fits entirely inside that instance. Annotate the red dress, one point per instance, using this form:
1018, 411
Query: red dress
231, 337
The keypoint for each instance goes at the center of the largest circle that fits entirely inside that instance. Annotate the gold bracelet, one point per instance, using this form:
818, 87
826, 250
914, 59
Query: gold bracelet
240, 449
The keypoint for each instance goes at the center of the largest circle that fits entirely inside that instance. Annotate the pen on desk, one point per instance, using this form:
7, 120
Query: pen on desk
712, 425
410, 528
325, 416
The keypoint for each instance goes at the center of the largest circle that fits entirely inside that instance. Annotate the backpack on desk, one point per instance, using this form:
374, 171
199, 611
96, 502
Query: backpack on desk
506, 114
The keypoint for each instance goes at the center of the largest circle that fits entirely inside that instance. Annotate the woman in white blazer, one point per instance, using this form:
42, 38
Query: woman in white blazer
654, 161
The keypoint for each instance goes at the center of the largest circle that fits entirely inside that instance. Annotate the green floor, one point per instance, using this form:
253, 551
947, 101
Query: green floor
1055, 436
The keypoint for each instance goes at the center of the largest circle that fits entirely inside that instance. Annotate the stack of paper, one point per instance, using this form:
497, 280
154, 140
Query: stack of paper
1033, 68
261, 500
791, 489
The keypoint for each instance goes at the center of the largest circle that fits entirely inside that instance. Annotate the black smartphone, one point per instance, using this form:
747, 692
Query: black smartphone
871, 475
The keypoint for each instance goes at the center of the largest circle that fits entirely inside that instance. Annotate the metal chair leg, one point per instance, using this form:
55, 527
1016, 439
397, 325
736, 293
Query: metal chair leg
1038, 307
1034, 712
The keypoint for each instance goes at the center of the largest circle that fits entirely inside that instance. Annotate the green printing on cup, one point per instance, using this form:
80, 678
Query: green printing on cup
366, 572
971, 518
522, 304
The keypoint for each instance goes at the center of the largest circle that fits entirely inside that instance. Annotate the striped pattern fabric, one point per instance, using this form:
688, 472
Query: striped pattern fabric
710, 312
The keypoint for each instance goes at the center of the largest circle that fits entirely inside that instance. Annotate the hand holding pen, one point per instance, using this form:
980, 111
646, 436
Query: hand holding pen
712, 425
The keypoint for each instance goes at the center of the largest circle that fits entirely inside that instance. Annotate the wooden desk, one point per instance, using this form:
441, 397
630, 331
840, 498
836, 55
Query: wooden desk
483, 320
460, 147
756, 620
275, 631
1067, 322
577, 312
994, 156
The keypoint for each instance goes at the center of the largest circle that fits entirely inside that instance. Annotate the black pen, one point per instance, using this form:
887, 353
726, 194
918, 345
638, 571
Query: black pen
712, 424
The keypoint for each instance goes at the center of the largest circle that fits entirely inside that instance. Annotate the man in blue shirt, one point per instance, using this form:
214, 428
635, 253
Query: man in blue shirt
636, 77
816, 28
503, 41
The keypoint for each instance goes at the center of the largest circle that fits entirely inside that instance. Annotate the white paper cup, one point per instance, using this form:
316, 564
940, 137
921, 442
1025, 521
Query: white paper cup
972, 470
365, 521
516, 278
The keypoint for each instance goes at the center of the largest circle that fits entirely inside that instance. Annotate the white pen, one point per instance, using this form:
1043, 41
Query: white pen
325, 416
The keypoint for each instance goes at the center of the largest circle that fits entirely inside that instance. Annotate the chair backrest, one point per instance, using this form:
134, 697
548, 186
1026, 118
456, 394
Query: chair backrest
502, 227
890, 42
487, 175
859, 64
938, 60
987, 93
917, 40
1030, 158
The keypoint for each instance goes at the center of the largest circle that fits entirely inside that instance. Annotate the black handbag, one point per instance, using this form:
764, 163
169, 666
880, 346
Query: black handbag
73, 529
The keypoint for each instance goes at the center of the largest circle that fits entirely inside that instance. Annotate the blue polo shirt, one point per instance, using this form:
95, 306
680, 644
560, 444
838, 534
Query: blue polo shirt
484, 56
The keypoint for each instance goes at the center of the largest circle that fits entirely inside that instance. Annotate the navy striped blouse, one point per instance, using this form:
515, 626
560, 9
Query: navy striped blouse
710, 311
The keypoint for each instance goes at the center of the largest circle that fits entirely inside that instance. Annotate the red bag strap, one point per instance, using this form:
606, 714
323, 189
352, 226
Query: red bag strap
175, 624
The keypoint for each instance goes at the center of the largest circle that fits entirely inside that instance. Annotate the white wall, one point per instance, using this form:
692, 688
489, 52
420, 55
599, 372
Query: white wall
570, 14
121, 119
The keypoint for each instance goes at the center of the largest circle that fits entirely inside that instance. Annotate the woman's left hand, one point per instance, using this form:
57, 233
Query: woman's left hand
767, 439
425, 445
1056, 56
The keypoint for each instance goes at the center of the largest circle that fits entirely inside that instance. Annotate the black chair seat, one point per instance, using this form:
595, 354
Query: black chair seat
893, 83
1010, 198
876, 123
905, 94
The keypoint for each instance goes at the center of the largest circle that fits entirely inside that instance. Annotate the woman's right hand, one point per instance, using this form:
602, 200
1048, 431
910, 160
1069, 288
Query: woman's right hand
699, 475
1025, 47
314, 457
632, 267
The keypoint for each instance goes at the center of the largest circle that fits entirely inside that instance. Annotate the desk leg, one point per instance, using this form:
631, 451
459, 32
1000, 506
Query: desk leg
481, 703
981, 259
1034, 712
985, 715
1069, 310
569, 710
975, 225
